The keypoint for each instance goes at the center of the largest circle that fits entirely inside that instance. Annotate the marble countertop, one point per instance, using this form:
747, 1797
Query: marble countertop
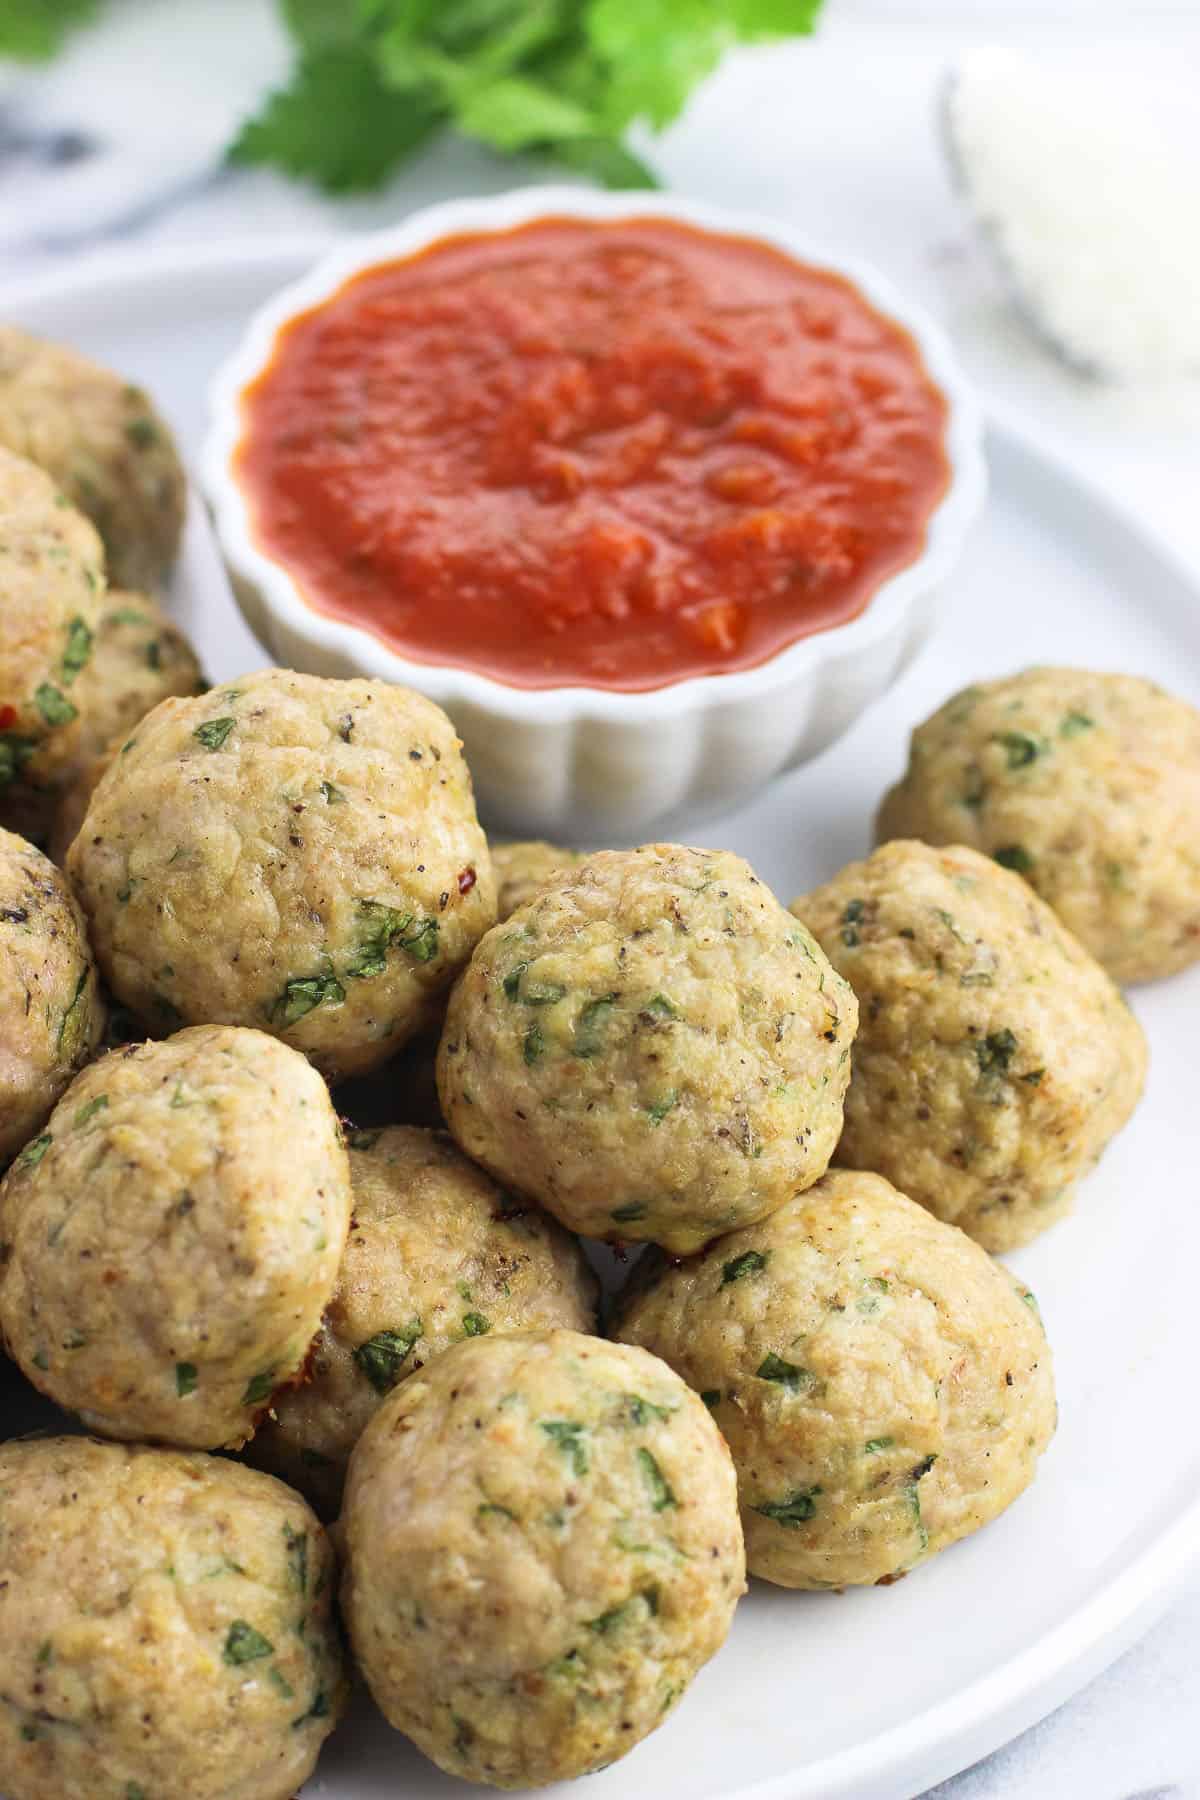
120, 143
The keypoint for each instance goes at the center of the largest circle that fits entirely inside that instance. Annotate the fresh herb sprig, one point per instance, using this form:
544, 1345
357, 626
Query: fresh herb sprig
373, 80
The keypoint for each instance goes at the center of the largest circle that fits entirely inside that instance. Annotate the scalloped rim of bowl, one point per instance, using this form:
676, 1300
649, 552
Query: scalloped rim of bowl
281, 594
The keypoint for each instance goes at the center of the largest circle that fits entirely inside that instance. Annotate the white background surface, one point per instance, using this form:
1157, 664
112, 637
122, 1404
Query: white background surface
836, 134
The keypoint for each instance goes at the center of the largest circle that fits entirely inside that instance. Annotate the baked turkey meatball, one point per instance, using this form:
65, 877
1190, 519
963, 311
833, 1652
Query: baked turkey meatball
1088, 785
101, 440
173, 1236
650, 1047
51, 1013
292, 853
884, 1386
139, 657
51, 580
994, 1058
543, 1548
436, 1253
522, 868
165, 1627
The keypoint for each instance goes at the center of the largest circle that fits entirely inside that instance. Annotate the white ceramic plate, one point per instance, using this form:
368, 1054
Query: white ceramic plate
869, 1695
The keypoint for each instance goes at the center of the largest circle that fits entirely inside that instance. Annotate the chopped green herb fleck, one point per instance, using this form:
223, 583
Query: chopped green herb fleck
1020, 748
129, 615
913, 1496
464, 1736
851, 919
512, 981
533, 1045
53, 705
491, 1506
591, 1025
994, 1052
475, 1325
318, 1710
15, 752
90, 1108
793, 1512
1073, 723
244, 1644
301, 995
297, 1557
142, 433
259, 1388
382, 1356
78, 651
662, 1495
874, 1445
332, 796
1014, 857
661, 1007
363, 1140
153, 655
385, 926
624, 1215
73, 1017
134, 1791
642, 1411
607, 1621
788, 1375
185, 1379
41, 1360
658, 1112
543, 993
213, 732
711, 1397
750, 1262
1034, 1077
33, 1153
280, 1683
568, 1436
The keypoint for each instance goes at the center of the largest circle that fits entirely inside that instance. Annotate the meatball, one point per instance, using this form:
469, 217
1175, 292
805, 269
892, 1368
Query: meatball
1086, 784
139, 658
994, 1058
651, 1047
884, 1386
51, 1013
165, 1627
172, 1237
105, 446
50, 585
436, 1253
543, 1548
523, 869
292, 853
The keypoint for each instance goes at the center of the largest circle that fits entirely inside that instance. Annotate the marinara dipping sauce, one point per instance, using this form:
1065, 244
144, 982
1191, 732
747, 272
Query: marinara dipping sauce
610, 454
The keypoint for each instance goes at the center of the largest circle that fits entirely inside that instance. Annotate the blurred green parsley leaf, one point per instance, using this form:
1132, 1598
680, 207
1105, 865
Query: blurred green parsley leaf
373, 79
563, 78
34, 30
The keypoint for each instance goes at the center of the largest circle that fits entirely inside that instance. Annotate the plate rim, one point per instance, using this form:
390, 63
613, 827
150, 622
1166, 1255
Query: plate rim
949, 1735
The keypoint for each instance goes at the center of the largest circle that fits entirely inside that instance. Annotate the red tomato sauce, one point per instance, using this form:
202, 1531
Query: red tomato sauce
588, 453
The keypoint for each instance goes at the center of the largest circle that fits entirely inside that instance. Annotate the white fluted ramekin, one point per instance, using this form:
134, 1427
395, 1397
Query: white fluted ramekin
581, 763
